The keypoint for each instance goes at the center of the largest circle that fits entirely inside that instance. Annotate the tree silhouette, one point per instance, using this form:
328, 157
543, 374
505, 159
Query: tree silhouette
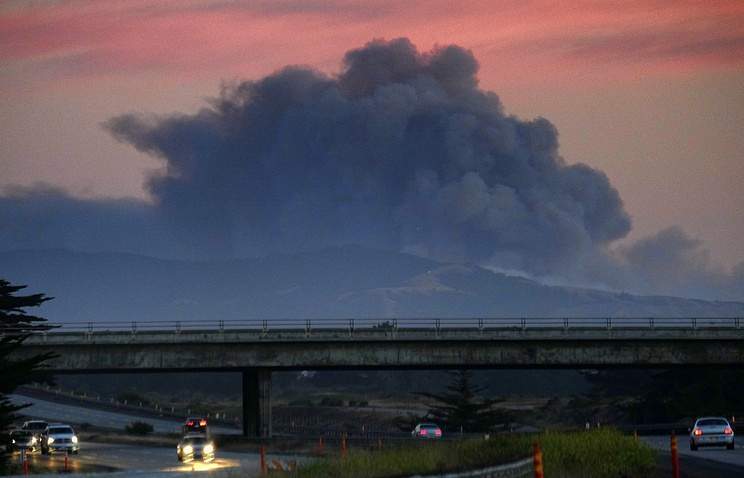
15, 327
462, 407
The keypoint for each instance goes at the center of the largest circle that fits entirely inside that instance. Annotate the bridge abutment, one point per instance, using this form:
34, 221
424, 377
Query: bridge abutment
257, 402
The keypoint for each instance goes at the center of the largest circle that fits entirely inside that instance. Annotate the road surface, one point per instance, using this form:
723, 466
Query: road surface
145, 461
57, 412
718, 454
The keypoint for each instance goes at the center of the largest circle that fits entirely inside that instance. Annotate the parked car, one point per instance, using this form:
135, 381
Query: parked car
21, 440
59, 437
711, 431
195, 447
427, 430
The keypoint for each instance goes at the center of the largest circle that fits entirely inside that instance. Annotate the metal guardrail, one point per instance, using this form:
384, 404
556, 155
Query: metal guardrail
353, 325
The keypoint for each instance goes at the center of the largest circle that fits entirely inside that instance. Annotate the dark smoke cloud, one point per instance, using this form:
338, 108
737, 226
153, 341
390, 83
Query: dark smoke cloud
672, 262
45, 217
401, 149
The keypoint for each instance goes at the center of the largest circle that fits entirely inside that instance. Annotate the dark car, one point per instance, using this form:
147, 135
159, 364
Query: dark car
21, 440
195, 447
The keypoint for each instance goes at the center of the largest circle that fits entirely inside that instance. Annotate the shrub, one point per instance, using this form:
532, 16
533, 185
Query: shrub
331, 402
302, 402
139, 428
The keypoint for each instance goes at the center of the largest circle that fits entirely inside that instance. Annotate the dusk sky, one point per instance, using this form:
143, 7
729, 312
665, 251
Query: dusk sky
649, 92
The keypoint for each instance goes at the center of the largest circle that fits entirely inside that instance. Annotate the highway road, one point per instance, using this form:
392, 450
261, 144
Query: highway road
718, 454
71, 414
146, 461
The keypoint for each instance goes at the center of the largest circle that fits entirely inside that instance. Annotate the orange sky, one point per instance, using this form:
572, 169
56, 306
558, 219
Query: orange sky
651, 92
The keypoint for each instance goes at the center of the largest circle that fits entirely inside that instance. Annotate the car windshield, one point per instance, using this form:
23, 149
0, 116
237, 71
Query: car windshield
195, 441
36, 426
60, 430
712, 422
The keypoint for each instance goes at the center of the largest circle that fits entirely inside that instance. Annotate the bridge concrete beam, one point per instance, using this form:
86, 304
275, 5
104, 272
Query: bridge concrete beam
257, 402
91, 357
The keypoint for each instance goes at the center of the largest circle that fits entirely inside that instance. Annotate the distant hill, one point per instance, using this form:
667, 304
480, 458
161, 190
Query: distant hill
344, 282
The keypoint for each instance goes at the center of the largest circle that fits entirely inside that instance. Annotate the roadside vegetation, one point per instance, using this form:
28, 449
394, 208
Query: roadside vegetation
603, 453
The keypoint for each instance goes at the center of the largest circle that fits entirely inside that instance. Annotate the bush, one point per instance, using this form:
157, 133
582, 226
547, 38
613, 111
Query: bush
303, 402
139, 428
331, 402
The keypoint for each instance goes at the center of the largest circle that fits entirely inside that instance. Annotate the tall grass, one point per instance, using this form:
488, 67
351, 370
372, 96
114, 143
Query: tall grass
602, 453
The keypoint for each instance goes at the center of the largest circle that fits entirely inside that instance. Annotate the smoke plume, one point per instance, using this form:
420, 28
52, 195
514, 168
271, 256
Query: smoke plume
402, 149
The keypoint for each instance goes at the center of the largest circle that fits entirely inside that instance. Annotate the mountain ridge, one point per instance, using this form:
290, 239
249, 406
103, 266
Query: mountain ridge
334, 282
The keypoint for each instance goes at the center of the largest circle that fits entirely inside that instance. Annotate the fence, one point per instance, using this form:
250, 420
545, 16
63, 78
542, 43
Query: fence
351, 326
518, 469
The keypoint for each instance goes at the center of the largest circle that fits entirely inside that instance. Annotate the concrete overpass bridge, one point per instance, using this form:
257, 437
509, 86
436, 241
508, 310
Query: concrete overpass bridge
256, 348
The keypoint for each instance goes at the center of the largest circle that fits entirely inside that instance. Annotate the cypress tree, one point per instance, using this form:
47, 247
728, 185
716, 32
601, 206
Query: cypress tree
16, 326
463, 406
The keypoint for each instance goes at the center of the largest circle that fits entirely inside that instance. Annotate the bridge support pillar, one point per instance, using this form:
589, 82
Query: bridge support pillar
257, 402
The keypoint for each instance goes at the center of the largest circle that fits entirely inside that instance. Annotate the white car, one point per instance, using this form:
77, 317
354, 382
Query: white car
59, 437
427, 430
711, 431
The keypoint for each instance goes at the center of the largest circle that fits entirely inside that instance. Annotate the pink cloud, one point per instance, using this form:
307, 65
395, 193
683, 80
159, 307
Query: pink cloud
525, 40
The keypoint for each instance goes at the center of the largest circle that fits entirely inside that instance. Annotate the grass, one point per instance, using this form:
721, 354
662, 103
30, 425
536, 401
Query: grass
601, 453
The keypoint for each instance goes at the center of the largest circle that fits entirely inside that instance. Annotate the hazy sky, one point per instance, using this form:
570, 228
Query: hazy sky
650, 92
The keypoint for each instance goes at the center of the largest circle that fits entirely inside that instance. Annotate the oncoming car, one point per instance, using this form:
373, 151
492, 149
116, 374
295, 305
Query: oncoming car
195, 447
36, 427
21, 440
427, 430
59, 437
711, 431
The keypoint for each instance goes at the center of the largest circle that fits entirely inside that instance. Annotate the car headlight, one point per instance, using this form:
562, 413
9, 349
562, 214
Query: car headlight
188, 449
74, 439
33, 440
208, 448
50, 440
13, 440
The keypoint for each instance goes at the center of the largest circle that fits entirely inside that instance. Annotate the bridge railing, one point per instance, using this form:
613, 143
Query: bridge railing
352, 325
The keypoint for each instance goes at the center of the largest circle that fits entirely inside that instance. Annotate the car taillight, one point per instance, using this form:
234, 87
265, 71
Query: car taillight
190, 423
438, 433
203, 423
697, 432
728, 431
423, 432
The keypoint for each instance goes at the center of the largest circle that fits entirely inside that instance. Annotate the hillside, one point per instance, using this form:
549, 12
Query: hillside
336, 282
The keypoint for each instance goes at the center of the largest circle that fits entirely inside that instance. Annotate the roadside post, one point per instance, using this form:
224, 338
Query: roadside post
675, 456
67, 469
537, 460
262, 459
343, 446
24, 461
320, 446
